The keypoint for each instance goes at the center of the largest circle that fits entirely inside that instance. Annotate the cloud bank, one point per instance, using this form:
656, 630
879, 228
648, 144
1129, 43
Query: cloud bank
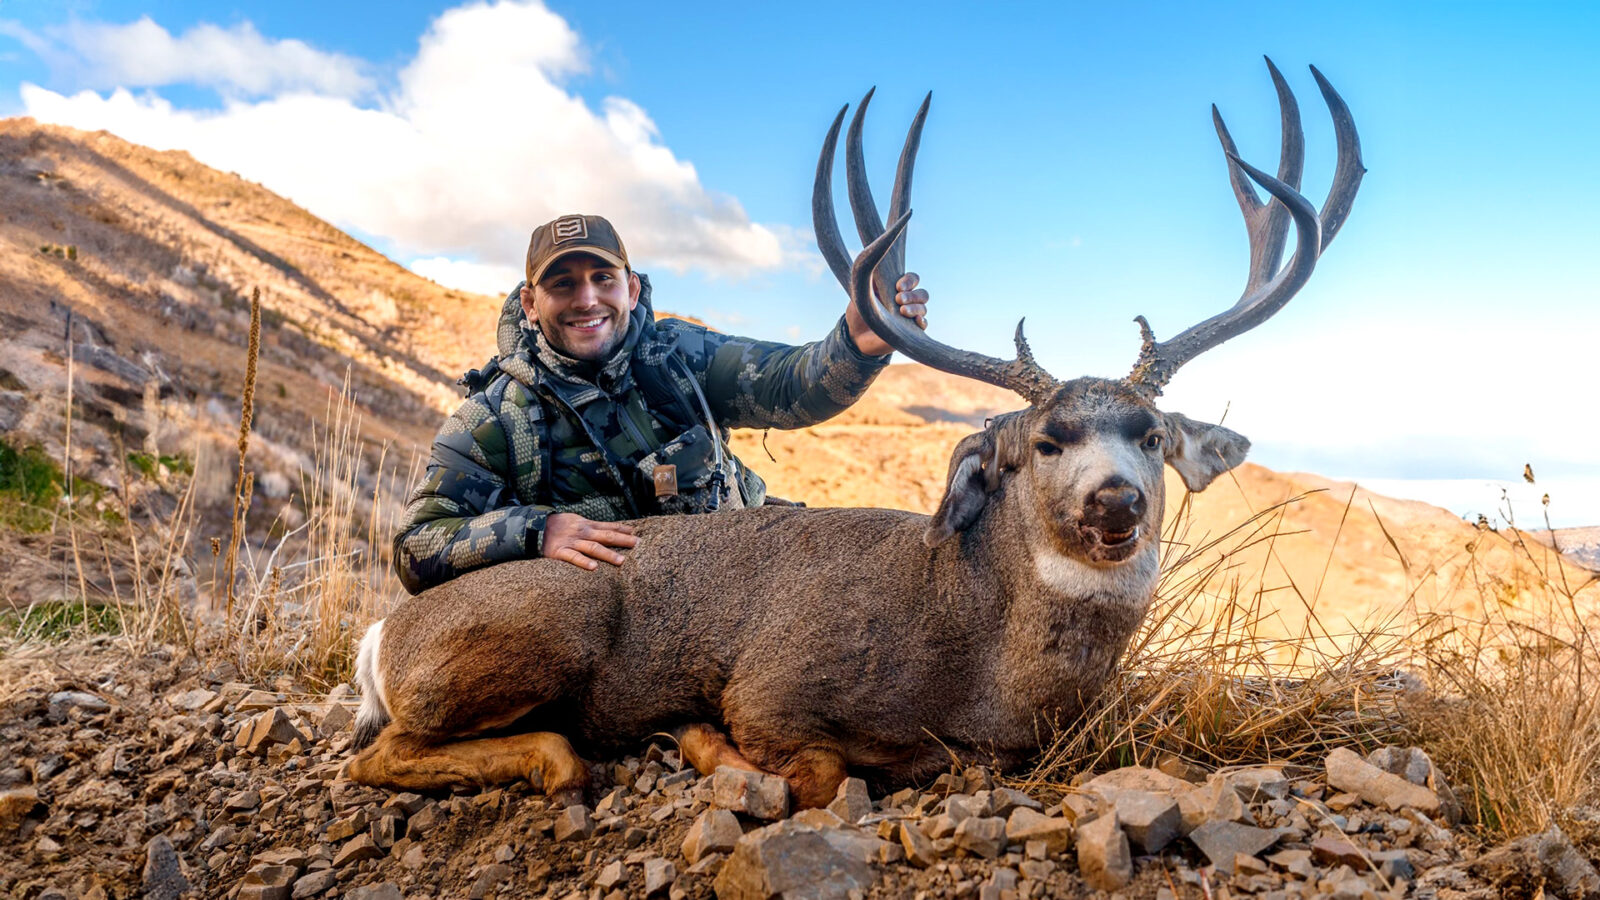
476, 142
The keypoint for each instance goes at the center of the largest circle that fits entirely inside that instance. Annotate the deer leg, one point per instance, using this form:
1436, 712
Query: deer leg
814, 773
706, 748
409, 761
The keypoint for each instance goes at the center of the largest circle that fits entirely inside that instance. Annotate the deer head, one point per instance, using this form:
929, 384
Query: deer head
1084, 459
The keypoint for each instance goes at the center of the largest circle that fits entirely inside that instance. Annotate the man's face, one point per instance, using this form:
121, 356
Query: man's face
582, 305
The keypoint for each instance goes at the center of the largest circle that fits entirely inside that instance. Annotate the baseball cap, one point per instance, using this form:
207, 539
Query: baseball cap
573, 234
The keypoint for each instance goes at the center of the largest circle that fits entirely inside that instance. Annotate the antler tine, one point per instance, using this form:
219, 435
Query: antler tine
1266, 291
900, 200
1267, 223
1021, 375
862, 206
823, 222
1347, 172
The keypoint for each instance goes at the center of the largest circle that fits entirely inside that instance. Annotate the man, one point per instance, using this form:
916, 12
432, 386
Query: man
594, 413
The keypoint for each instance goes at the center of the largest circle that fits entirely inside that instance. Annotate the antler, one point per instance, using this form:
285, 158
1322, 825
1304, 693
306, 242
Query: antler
882, 262
1267, 289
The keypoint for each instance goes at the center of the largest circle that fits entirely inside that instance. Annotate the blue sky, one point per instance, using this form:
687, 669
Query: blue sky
1069, 173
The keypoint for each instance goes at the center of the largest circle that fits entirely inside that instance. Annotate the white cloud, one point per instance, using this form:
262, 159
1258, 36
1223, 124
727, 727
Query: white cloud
235, 60
477, 143
481, 278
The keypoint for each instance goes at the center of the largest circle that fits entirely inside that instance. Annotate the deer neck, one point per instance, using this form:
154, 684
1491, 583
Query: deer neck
1067, 622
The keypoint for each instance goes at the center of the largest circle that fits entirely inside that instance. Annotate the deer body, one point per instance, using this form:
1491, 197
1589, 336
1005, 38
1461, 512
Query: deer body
883, 659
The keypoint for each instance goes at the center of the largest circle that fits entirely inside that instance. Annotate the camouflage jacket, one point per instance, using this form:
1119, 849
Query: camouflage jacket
547, 434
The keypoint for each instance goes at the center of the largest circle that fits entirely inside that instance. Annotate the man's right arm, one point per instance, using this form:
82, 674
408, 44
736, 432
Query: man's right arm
463, 516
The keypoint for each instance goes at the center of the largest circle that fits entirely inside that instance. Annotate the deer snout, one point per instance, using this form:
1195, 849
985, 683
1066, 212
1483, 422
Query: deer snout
1117, 502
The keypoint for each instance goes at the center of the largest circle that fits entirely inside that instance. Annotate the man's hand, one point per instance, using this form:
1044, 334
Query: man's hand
574, 539
913, 304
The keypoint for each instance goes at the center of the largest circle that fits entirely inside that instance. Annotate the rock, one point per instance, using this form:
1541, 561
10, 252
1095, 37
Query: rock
1149, 819
1296, 862
1082, 807
1214, 801
1136, 778
574, 824
407, 803
384, 890
487, 878
357, 849
612, 877
268, 883
755, 794
1003, 800
918, 849
258, 700
964, 806
612, 804
659, 874
269, 728
1104, 860
1349, 772
1257, 784
793, 861
1026, 826
819, 818
716, 831
163, 876
1333, 850
314, 883
1395, 865
1548, 857
851, 802
425, 819
16, 805
189, 701
1414, 765
243, 801
82, 700
1221, 841
335, 717
344, 829
983, 836
280, 856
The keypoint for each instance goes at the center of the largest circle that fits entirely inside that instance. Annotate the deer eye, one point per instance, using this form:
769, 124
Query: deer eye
1046, 448
1152, 441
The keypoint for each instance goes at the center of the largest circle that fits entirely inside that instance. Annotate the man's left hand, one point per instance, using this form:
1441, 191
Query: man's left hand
912, 302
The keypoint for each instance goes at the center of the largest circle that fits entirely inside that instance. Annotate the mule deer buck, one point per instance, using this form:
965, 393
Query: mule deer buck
869, 640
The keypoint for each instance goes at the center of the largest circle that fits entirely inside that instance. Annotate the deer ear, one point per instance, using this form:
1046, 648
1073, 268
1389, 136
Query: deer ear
1200, 451
971, 472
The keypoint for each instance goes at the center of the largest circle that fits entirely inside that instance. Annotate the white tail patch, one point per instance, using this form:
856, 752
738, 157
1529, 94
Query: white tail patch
374, 711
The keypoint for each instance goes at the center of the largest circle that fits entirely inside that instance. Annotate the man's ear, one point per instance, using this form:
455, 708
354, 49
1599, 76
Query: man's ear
1200, 451
527, 302
634, 287
967, 490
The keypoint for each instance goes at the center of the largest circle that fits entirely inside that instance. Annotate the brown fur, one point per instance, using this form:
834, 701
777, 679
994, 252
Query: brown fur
823, 640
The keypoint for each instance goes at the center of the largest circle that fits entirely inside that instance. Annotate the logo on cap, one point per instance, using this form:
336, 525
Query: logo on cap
569, 229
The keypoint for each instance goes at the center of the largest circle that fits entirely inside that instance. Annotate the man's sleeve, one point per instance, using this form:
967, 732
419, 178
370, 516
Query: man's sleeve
763, 384
460, 517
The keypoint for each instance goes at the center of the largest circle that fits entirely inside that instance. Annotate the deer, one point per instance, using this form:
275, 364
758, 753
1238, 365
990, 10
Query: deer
818, 643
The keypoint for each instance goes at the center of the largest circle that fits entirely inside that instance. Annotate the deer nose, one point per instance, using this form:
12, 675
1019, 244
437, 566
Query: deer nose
1119, 496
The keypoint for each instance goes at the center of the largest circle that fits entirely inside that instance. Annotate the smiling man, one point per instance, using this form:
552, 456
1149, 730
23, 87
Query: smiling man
594, 413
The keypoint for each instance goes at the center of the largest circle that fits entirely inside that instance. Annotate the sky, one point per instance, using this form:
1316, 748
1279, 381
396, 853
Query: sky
1069, 173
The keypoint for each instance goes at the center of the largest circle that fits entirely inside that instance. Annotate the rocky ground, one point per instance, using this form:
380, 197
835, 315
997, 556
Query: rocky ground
162, 777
